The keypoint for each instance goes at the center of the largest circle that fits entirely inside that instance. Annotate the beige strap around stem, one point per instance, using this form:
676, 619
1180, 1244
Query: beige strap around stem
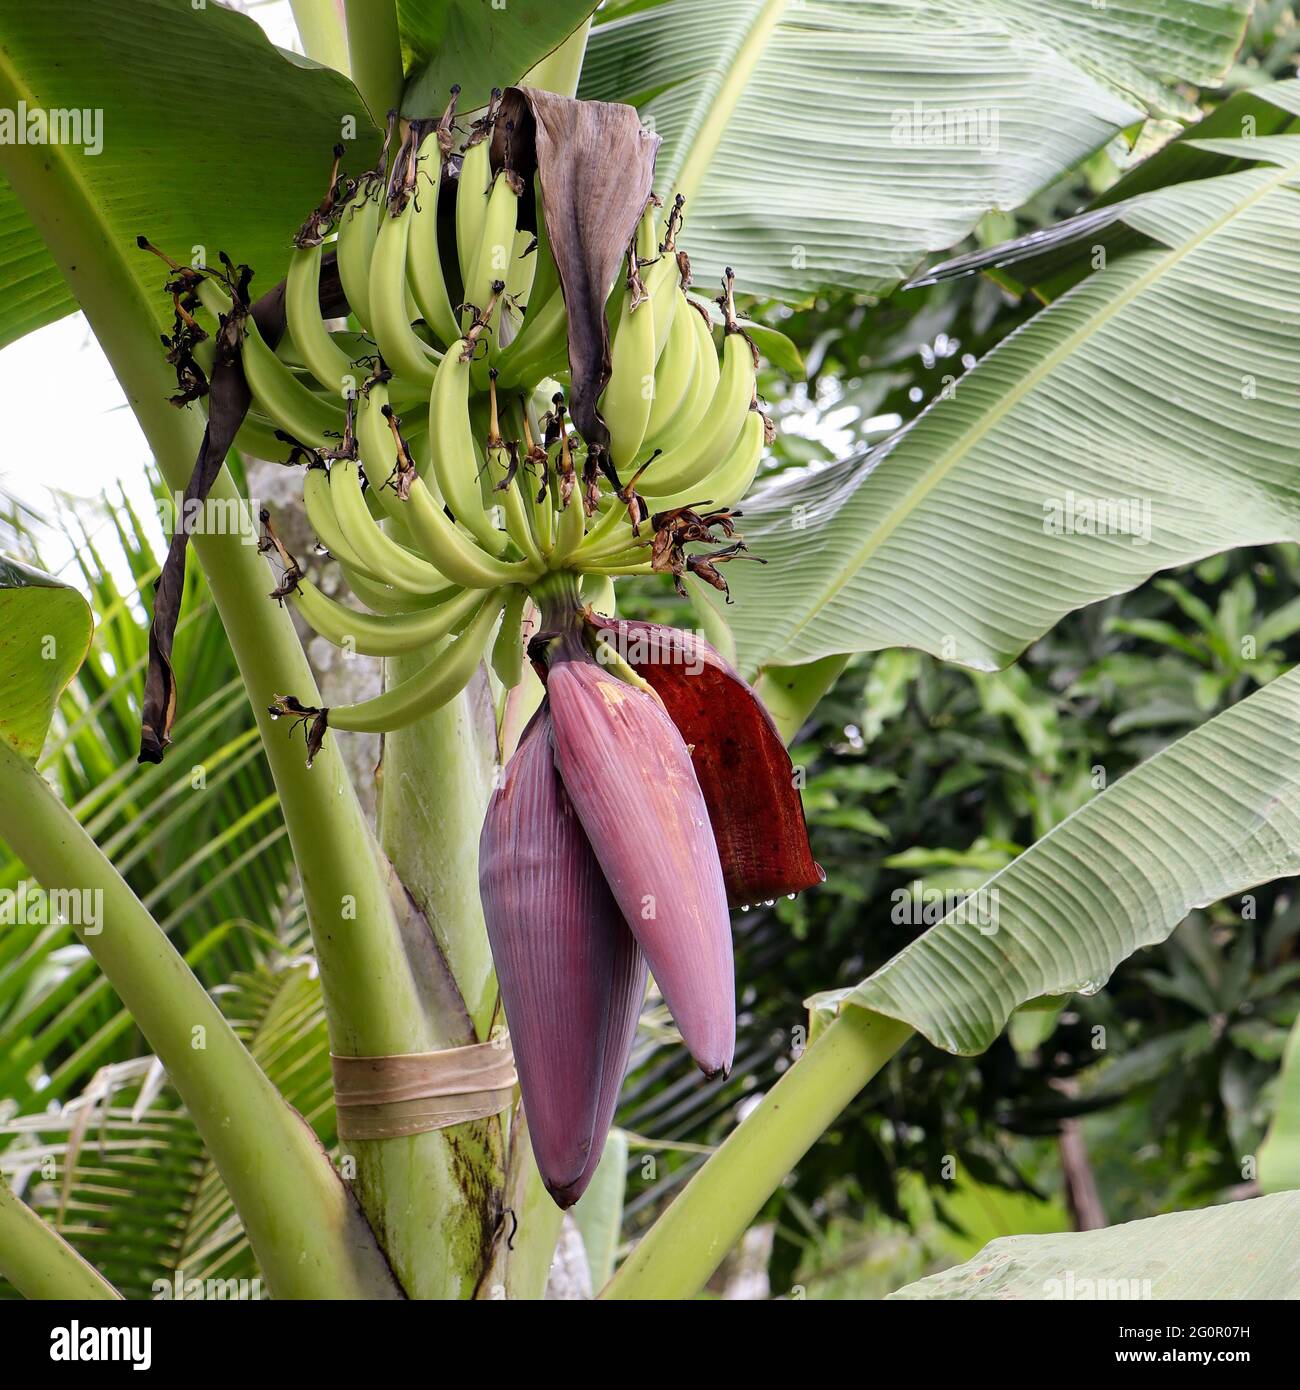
389, 1097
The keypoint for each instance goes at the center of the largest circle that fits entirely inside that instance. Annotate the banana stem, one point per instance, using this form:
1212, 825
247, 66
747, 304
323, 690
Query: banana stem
689, 1241
38, 1262
375, 54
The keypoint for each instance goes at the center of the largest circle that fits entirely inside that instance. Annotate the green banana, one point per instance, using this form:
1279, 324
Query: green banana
685, 464
495, 250
455, 555
384, 599
452, 437
324, 521
472, 189
446, 675
369, 635
539, 348
628, 395
677, 368
358, 228
423, 255
507, 486
380, 554
704, 382
402, 348
508, 649
326, 361
731, 479
278, 394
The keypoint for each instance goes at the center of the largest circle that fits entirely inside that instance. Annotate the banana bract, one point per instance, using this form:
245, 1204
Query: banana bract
570, 972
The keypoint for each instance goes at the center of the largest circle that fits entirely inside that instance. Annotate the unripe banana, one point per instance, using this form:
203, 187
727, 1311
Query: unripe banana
358, 228
377, 443
322, 356
472, 189
519, 281
508, 649
319, 505
686, 419
731, 479
508, 485
423, 257
277, 392
455, 464
402, 348
368, 635
678, 364
384, 599
380, 554
495, 251
684, 465
540, 348
431, 687
454, 553
627, 398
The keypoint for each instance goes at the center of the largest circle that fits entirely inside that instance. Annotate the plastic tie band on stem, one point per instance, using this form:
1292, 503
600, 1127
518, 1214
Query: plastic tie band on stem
413, 1092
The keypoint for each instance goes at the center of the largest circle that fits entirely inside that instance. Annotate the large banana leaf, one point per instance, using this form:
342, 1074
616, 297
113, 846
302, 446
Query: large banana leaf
1166, 382
1053, 259
820, 143
212, 139
1209, 816
1244, 1250
477, 46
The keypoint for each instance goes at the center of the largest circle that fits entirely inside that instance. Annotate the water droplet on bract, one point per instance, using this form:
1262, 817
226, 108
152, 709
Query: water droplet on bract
790, 897
744, 907
769, 902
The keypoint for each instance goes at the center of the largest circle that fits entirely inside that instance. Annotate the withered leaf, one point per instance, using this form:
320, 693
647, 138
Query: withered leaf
228, 402
595, 162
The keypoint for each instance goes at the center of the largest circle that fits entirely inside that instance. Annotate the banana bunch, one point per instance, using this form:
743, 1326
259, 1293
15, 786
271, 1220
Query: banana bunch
443, 474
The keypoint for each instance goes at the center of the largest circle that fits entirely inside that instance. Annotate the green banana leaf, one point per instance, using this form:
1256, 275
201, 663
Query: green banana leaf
1279, 1154
239, 162
1161, 388
478, 46
45, 631
1186, 1254
1052, 260
1209, 816
817, 143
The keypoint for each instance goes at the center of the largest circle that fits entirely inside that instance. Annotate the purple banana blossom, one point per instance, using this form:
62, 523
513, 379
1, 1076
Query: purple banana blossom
650, 788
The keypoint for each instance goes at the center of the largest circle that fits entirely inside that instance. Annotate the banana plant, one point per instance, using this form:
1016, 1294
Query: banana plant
528, 408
